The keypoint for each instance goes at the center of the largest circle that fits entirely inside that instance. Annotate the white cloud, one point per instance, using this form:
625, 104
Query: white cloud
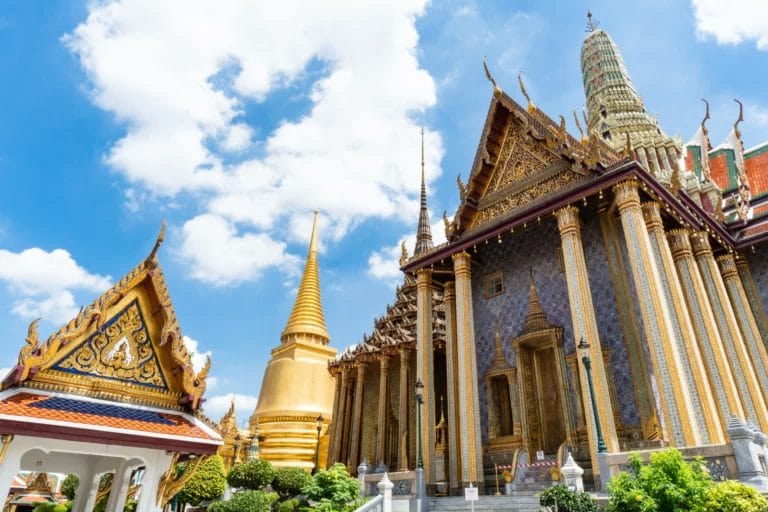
198, 358
43, 282
180, 75
216, 406
385, 263
734, 21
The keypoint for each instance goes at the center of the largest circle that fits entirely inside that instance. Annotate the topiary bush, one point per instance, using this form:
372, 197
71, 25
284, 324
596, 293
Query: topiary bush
567, 500
289, 482
208, 482
53, 507
333, 487
246, 501
69, 486
733, 496
667, 484
253, 475
290, 505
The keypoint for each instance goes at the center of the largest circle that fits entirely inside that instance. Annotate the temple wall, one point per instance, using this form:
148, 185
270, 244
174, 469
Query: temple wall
758, 266
370, 414
537, 249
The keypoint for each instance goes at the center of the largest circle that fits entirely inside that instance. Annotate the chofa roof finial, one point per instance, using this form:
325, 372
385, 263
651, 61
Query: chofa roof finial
739, 120
531, 106
160, 237
489, 76
706, 117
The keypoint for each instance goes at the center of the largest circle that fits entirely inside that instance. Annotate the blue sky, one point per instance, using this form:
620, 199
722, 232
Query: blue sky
235, 123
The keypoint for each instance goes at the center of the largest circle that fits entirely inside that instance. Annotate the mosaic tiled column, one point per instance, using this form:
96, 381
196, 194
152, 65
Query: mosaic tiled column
425, 368
585, 326
676, 402
738, 356
402, 428
469, 402
710, 343
333, 445
630, 325
357, 417
749, 329
451, 360
343, 437
381, 433
692, 369
514, 395
753, 296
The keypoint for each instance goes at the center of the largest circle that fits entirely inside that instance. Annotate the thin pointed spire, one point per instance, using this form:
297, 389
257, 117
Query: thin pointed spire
307, 317
536, 318
423, 232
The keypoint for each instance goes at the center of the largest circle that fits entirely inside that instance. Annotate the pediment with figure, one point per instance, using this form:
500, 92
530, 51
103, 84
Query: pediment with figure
125, 346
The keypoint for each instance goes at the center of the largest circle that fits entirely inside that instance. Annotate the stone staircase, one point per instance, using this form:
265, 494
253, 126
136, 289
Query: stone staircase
520, 501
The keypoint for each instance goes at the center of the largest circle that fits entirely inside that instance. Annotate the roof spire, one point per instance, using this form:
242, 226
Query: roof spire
307, 316
423, 232
531, 106
591, 23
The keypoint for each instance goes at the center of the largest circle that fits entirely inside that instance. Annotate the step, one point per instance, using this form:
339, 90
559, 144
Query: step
520, 502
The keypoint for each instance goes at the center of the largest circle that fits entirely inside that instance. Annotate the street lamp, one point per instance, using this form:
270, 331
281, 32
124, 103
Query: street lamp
236, 448
584, 347
420, 402
317, 449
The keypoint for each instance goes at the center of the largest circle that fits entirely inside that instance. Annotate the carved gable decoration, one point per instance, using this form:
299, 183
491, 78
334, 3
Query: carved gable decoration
121, 350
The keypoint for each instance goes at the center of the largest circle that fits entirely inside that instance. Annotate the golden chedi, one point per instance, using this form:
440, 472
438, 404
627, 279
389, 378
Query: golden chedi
297, 388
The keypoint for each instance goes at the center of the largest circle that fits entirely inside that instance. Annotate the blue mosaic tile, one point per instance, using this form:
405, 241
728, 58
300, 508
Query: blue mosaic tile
98, 409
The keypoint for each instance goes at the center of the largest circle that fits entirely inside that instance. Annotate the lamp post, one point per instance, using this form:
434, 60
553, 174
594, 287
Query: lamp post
235, 448
317, 449
584, 347
420, 402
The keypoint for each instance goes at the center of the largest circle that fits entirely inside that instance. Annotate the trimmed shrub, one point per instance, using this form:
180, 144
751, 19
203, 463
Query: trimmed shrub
333, 486
246, 501
69, 486
253, 475
289, 482
733, 496
567, 500
208, 483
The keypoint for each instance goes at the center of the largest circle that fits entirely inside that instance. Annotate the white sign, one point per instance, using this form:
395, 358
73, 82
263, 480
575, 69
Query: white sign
539, 455
471, 494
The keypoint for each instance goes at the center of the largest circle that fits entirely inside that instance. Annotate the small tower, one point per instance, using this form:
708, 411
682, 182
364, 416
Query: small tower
297, 387
423, 232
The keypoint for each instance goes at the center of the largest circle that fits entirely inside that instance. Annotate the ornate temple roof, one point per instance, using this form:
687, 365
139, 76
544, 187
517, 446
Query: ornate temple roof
307, 315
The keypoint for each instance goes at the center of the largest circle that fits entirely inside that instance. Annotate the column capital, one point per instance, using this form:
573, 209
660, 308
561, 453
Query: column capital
462, 263
700, 244
741, 261
423, 278
727, 264
449, 290
568, 220
384, 360
680, 243
652, 216
627, 194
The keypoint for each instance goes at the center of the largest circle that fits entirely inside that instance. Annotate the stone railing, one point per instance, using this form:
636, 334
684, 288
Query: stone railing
403, 482
382, 502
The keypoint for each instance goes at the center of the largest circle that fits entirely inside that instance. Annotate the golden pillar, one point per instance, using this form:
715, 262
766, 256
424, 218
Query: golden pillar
451, 360
424, 368
469, 403
749, 330
333, 443
676, 400
750, 287
381, 432
402, 427
710, 343
357, 417
692, 370
738, 355
585, 326
630, 326
344, 411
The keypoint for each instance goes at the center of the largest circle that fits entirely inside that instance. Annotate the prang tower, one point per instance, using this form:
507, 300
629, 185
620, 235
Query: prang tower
297, 387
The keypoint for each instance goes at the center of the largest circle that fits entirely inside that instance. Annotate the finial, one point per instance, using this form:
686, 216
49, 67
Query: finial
423, 231
586, 121
706, 117
158, 243
489, 76
578, 127
403, 253
740, 119
531, 106
591, 24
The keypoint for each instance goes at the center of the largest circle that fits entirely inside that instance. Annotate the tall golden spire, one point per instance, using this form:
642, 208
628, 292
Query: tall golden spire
307, 316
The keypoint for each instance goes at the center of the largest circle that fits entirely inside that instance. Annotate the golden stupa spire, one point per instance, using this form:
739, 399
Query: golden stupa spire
307, 318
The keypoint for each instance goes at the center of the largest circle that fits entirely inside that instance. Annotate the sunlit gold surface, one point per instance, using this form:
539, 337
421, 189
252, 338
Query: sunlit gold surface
297, 387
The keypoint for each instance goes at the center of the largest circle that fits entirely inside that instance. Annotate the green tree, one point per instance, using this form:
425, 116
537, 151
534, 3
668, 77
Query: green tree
667, 484
733, 496
289, 482
53, 507
567, 500
69, 486
208, 482
253, 475
246, 501
334, 487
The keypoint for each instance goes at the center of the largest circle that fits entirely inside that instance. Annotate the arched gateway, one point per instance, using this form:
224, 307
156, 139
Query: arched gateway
112, 391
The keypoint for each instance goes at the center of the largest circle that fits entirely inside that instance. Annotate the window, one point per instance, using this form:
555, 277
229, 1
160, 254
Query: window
493, 284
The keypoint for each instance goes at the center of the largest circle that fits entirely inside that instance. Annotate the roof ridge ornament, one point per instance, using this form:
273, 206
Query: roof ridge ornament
158, 242
578, 127
489, 76
706, 117
739, 120
531, 106
591, 23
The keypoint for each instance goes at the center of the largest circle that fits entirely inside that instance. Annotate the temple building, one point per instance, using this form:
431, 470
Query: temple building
598, 293
111, 392
296, 398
